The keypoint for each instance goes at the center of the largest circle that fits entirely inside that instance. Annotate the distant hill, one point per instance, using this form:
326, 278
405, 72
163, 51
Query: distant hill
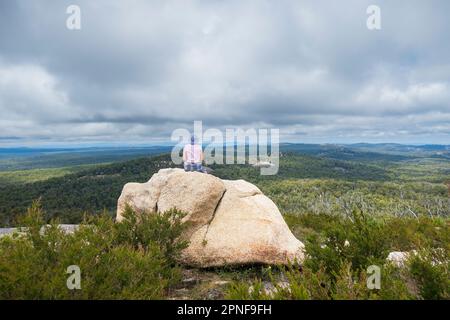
343, 152
97, 189
42, 158
427, 150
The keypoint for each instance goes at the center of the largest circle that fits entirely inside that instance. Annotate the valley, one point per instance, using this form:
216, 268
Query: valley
350, 205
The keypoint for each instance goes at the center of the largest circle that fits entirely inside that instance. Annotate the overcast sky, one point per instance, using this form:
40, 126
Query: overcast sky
139, 69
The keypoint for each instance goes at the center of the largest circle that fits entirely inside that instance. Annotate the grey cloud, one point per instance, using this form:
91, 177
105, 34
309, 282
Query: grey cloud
137, 71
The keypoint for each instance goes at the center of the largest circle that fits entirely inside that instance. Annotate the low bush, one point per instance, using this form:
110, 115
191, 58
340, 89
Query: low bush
133, 259
359, 240
430, 271
340, 249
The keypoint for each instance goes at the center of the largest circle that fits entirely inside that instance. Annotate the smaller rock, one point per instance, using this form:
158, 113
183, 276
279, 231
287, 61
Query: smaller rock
190, 281
67, 228
214, 294
7, 231
398, 258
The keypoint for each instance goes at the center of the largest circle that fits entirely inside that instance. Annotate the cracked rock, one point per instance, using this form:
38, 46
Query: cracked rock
230, 222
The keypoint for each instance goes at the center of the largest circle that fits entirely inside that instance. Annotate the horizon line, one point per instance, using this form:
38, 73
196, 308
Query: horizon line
162, 144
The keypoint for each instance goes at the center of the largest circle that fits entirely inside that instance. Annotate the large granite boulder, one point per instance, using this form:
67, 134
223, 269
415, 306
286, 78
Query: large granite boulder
229, 222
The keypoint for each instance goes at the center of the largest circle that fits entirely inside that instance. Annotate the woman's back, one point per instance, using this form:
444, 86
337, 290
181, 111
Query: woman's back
192, 153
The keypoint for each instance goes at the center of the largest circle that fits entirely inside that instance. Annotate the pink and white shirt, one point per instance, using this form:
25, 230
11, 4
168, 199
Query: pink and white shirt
192, 153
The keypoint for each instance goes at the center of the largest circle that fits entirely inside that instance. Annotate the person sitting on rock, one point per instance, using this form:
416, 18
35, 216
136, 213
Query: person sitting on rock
193, 156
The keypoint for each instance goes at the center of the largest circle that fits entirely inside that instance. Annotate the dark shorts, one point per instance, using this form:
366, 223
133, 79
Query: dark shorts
193, 167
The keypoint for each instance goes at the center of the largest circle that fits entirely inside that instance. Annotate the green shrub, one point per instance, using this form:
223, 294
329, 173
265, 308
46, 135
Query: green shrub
286, 283
294, 283
406, 234
430, 271
246, 291
114, 263
339, 250
141, 229
351, 284
359, 240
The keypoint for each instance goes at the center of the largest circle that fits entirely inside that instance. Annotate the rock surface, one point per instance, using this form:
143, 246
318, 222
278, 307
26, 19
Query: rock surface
399, 258
67, 228
230, 222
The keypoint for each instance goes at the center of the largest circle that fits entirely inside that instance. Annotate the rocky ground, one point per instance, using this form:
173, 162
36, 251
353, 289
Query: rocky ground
200, 284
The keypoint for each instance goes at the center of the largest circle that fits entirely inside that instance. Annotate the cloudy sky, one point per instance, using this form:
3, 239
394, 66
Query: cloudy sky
139, 69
